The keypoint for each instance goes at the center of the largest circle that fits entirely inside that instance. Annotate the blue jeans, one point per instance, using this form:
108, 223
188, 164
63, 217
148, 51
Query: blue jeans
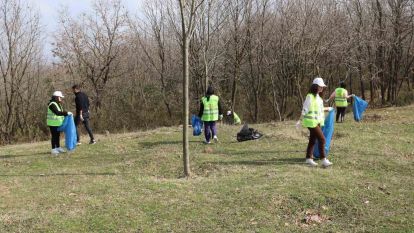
209, 126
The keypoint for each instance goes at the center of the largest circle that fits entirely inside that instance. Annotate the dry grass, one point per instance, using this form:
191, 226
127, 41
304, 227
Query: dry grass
131, 182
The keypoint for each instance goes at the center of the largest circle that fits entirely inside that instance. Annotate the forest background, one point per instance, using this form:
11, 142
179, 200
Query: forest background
260, 56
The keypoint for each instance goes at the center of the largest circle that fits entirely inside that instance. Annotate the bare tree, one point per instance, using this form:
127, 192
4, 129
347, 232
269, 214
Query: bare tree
19, 56
90, 47
206, 44
160, 57
188, 14
239, 16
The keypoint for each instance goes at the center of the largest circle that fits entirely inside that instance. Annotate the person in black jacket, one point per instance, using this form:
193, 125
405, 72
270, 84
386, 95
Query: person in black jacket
55, 117
82, 112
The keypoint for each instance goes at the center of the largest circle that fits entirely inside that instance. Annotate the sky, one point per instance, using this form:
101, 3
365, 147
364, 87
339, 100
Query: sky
49, 13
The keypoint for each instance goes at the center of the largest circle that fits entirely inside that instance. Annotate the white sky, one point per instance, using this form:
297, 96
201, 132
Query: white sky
49, 13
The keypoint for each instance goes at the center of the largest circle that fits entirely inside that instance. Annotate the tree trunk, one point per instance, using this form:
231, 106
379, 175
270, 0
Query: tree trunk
186, 150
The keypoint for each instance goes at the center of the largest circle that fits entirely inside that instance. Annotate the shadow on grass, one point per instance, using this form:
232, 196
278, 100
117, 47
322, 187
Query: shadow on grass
261, 153
160, 143
256, 162
63, 174
23, 155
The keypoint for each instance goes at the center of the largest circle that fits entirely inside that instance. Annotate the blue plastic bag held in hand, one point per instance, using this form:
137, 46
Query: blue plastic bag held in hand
197, 125
358, 107
327, 130
69, 128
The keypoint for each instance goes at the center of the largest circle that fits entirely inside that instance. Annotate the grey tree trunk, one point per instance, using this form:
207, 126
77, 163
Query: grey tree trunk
186, 81
187, 29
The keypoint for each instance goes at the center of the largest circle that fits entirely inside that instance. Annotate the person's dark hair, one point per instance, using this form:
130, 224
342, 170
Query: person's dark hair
209, 92
314, 89
54, 99
76, 86
342, 84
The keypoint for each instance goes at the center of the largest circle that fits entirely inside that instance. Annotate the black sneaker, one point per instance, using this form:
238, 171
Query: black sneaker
92, 142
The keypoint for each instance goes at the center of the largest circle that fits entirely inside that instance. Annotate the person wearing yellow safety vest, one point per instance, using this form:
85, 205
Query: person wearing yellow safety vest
235, 119
55, 117
341, 101
210, 112
313, 118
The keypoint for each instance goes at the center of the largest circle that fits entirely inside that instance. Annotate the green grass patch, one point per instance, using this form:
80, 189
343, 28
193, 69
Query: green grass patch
131, 182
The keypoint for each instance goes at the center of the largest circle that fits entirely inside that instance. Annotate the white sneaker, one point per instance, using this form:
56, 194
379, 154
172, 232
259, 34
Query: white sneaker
55, 151
79, 143
215, 138
310, 162
326, 163
206, 142
60, 149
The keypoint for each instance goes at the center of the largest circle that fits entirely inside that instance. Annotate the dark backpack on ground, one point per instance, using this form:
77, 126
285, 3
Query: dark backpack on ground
247, 133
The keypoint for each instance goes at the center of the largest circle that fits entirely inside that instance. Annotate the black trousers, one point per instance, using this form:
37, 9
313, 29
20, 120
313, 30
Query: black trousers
55, 136
340, 112
85, 122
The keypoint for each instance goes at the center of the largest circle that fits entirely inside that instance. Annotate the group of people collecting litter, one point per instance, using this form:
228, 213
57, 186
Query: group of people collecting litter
56, 116
312, 116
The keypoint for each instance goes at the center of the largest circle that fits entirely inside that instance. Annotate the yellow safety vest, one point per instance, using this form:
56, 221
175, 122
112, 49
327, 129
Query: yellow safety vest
211, 111
340, 99
310, 120
52, 118
236, 119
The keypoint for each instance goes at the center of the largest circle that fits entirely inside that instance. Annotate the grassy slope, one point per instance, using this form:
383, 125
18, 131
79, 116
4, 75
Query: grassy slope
130, 182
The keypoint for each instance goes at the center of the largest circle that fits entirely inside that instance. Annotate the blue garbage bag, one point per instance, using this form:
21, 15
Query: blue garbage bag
197, 125
69, 128
328, 130
358, 107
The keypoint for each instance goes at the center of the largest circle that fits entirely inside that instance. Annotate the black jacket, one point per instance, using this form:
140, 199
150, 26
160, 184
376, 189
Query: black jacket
82, 103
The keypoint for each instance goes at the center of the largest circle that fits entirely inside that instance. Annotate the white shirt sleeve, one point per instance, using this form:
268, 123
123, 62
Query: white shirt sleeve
306, 105
319, 100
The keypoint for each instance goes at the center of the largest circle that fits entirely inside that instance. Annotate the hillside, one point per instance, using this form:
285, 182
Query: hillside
131, 182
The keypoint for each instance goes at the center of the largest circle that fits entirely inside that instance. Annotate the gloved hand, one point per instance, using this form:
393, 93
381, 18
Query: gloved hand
353, 95
330, 109
327, 100
70, 113
81, 118
221, 117
298, 125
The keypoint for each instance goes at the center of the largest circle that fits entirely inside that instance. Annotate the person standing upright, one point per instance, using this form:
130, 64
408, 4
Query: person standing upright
313, 119
341, 101
55, 117
210, 112
82, 113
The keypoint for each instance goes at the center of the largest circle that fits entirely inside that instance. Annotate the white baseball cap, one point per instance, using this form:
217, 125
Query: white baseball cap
319, 81
228, 113
58, 94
